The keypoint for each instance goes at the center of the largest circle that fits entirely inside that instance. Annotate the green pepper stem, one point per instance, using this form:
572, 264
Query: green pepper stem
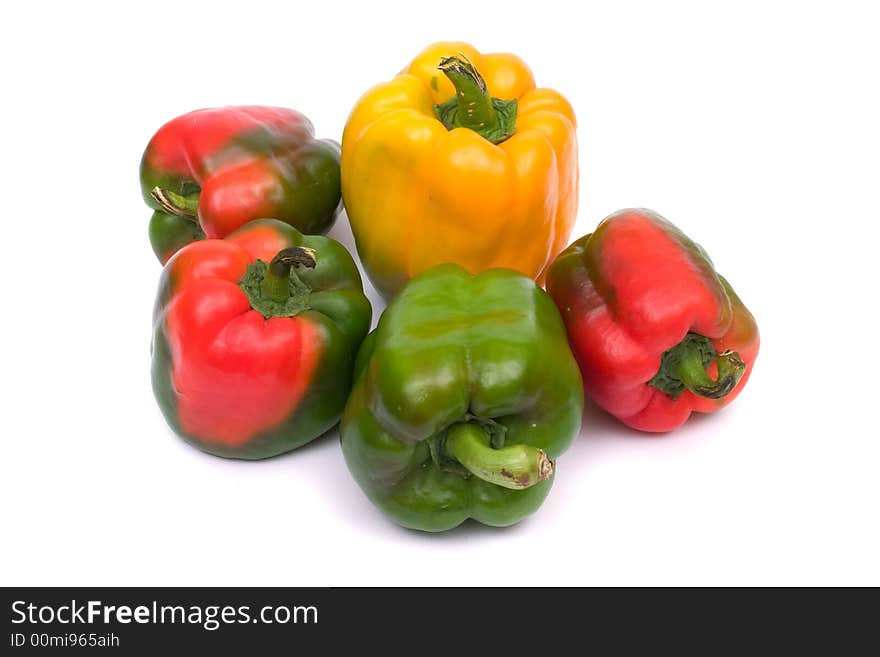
683, 367
475, 109
276, 284
515, 466
472, 107
176, 204
692, 373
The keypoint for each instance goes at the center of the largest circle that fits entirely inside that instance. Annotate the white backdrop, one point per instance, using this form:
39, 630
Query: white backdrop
754, 127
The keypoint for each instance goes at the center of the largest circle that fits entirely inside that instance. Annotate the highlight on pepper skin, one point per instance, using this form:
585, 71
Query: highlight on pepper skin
658, 333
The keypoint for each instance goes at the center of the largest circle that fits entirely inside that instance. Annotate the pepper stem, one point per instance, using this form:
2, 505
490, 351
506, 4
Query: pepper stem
684, 368
514, 466
472, 107
276, 284
176, 204
692, 373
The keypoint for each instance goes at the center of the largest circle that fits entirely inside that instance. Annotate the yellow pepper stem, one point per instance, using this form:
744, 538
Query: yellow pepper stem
472, 107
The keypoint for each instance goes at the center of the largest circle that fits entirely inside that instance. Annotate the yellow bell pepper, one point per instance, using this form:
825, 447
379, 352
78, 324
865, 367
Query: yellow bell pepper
460, 158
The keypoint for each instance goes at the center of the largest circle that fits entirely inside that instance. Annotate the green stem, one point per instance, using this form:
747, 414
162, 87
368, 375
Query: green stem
276, 283
684, 368
176, 204
692, 373
515, 466
472, 107
475, 109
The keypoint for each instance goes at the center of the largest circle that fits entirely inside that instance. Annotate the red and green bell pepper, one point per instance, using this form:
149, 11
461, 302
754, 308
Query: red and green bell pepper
657, 332
208, 172
255, 338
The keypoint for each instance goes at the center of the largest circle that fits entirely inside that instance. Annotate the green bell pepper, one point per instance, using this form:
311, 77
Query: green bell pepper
463, 394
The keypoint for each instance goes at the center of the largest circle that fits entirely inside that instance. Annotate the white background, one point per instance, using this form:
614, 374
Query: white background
753, 126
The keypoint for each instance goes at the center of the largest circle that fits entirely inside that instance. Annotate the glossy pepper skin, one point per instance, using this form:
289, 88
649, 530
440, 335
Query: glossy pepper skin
463, 393
208, 172
251, 360
657, 332
437, 168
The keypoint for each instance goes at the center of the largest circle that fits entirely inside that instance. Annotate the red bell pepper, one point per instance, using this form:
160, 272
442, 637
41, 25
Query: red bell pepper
212, 170
255, 338
657, 332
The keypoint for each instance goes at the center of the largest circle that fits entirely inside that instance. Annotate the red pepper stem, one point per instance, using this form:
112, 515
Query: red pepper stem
514, 466
692, 373
176, 204
276, 284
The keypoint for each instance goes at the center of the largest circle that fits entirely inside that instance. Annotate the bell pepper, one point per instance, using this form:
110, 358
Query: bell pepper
255, 337
212, 170
461, 159
657, 332
463, 395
